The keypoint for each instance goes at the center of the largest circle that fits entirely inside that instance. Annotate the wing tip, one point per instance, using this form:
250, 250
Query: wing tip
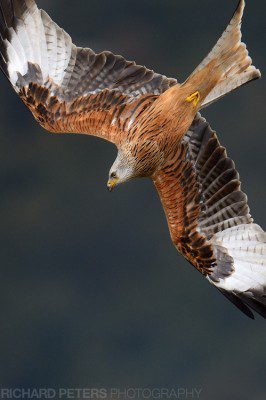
238, 303
246, 304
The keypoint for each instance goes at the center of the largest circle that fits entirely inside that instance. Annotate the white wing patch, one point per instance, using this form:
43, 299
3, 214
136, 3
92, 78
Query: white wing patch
38, 40
246, 244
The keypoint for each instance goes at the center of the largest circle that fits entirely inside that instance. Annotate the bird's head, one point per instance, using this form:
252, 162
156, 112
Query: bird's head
122, 170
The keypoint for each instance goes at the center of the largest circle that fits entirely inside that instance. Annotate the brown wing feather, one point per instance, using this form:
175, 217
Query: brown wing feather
201, 194
105, 114
67, 88
179, 192
209, 218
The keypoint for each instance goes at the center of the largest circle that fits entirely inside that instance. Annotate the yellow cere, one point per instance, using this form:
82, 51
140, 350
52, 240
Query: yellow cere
112, 183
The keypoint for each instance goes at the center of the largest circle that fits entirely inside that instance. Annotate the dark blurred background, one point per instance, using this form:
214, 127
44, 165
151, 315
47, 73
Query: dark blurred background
93, 293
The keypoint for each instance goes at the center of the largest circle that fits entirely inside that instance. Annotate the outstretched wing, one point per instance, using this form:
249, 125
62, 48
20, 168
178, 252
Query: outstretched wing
67, 88
209, 218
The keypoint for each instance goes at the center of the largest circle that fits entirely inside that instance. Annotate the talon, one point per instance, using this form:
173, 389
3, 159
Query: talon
195, 97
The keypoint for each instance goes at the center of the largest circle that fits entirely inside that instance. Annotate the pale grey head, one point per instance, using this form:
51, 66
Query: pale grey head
122, 170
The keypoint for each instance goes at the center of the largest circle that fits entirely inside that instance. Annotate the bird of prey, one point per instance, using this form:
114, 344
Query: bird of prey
155, 123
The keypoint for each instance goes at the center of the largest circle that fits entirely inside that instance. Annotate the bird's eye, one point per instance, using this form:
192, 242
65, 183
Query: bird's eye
113, 175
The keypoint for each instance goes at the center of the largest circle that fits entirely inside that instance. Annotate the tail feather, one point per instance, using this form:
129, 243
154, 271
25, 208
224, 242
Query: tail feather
229, 60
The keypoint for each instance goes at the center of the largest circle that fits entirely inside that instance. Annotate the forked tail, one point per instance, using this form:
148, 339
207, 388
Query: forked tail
227, 67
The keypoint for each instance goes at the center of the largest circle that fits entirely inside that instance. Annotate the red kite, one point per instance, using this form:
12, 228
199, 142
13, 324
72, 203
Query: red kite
155, 123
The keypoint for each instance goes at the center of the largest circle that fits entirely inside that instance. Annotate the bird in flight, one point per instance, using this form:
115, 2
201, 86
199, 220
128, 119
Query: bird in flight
155, 123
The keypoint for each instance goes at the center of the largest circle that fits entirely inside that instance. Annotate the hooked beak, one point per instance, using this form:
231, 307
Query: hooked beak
111, 184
